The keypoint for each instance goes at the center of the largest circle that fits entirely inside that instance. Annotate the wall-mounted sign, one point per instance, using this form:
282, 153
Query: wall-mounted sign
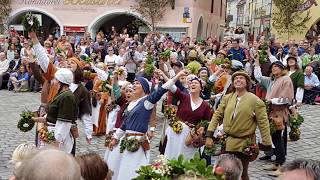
74, 29
68, 2
308, 4
187, 20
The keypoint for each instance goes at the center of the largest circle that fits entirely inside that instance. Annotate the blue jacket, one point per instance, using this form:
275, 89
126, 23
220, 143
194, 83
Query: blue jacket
236, 54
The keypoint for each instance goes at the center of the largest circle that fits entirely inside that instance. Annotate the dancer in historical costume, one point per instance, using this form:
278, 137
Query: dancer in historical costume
62, 112
280, 94
122, 96
135, 144
240, 113
100, 98
82, 96
191, 110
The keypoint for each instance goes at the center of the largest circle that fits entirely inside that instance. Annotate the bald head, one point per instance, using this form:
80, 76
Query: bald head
49, 164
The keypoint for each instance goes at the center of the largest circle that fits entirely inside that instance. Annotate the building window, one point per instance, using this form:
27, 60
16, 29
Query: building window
220, 8
212, 5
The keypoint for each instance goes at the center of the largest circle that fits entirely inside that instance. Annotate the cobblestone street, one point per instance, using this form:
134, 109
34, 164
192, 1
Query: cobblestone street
11, 104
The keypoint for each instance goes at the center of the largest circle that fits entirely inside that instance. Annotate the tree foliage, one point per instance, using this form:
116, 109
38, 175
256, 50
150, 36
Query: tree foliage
152, 10
5, 10
286, 19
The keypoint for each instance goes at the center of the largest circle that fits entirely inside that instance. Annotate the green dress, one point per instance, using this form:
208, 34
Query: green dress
297, 79
63, 108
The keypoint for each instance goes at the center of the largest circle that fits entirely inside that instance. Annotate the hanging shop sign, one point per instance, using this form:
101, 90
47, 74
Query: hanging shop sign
307, 5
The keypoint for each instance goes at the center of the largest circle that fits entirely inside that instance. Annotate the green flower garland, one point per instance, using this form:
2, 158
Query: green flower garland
30, 22
132, 145
26, 123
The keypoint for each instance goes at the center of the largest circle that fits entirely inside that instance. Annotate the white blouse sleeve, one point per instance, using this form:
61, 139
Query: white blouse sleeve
299, 94
42, 56
62, 131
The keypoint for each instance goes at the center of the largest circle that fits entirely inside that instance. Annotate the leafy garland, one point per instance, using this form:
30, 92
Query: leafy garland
263, 55
197, 134
131, 145
218, 148
30, 22
194, 67
46, 136
251, 150
165, 55
86, 59
295, 122
164, 169
170, 112
149, 67
26, 123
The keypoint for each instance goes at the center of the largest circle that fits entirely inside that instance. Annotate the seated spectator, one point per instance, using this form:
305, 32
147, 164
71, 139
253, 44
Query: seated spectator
4, 66
311, 86
20, 79
231, 165
301, 169
93, 167
49, 164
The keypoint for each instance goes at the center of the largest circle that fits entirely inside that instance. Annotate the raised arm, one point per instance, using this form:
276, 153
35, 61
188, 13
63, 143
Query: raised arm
40, 52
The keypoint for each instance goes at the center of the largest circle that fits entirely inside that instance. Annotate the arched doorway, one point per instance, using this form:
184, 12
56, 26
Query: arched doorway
200, 28
120, 20
314, 31
49, 23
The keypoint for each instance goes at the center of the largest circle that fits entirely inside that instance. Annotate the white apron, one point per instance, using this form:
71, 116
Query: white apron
95, 114
176, 144
131, 161
113, 159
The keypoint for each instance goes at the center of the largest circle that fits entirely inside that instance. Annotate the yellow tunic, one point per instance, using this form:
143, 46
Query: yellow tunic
241, 125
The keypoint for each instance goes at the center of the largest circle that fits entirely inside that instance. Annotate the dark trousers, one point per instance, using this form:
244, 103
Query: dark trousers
245, 164
280, 146
310, 95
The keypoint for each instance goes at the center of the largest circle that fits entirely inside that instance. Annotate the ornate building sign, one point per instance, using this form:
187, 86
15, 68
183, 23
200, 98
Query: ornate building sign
68, 2
308, 4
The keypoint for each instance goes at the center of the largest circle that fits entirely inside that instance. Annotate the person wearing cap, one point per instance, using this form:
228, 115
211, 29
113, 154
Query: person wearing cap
240, 112
123, 96
135, 126
50, 90
62, 111
280, 94
297, 78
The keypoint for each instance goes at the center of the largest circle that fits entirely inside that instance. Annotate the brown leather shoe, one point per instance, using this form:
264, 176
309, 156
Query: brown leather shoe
273, 167
276, 173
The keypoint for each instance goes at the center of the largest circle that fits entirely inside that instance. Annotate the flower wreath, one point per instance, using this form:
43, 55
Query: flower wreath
26, 123
170, 113
46, 136
131, 145
30, 22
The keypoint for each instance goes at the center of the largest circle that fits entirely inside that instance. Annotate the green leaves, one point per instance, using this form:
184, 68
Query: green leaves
26, 123
149, 67
178, 168
286, 19
194, 67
